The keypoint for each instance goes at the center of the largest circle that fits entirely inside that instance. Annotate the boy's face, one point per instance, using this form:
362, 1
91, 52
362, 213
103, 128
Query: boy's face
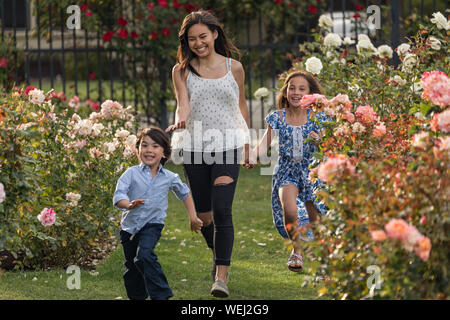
150, 152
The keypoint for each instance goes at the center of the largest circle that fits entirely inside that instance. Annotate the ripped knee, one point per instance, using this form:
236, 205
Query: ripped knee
223, 180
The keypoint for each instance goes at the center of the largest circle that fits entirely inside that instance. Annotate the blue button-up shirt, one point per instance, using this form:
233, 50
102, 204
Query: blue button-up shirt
137, 183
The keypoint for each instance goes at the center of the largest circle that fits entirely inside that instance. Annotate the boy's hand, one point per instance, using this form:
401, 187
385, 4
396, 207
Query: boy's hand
196, 224
135, 203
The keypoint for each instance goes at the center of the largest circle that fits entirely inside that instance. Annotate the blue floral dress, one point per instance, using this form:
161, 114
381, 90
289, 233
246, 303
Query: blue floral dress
294, 157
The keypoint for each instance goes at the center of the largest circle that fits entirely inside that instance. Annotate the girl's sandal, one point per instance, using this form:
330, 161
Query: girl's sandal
295, 262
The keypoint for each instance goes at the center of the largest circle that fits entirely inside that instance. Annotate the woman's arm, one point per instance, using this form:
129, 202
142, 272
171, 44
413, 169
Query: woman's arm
181, 94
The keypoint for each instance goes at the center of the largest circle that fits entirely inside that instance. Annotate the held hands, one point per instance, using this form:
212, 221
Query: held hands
196, 224
249, 157
182, 116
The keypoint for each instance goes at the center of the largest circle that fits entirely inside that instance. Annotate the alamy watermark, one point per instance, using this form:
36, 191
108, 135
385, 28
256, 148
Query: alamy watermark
74, 280
374, 281
74, 20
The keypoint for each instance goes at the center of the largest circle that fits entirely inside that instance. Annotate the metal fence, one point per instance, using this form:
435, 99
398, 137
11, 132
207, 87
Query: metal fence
46, 61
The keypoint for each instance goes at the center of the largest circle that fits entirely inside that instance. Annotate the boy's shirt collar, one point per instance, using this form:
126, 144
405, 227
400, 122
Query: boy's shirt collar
143, 166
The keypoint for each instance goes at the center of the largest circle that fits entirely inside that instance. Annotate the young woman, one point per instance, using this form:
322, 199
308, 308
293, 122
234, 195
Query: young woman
213, 113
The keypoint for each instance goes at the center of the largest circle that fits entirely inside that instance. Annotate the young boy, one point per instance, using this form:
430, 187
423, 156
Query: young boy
142, 194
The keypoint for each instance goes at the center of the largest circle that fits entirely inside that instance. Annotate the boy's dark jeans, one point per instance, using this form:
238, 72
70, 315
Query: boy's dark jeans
143, 276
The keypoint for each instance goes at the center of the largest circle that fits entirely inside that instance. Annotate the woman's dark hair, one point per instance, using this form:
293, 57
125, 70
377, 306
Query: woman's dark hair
159, 136
314, 87
222, 45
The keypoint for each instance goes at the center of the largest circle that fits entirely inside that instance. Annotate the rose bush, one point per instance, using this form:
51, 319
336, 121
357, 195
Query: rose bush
58, 171
385, 163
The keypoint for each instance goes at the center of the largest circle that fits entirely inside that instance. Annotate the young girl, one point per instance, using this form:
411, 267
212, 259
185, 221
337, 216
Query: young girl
292, 190
142, 194
209, 87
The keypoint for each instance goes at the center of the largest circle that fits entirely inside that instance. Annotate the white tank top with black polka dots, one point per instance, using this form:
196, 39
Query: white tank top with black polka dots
215, 122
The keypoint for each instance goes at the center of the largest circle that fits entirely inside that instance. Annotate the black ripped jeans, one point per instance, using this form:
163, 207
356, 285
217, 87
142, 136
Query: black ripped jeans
201, 170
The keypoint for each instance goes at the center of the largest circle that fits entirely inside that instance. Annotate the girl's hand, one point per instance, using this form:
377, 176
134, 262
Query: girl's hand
135, 203
196, 224
313, 135
249, 158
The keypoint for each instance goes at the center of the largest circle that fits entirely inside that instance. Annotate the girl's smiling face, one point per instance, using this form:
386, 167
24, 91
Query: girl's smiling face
201, 39
296, 89
150, 153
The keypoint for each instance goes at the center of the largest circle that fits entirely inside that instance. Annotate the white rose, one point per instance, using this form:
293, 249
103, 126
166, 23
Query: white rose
409, 62
313, 65
384, 51
261, 93
356, 89
434, 43
365, 47
36, 96
332, 40
131, 140
348, 41
397, 80
440, 21
122, 133
325, 22
358, 128
96, 128
403, 49
364, 37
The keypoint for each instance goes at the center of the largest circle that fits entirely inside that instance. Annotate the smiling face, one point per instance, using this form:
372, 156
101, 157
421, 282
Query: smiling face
201, 40
150, 153
296, 89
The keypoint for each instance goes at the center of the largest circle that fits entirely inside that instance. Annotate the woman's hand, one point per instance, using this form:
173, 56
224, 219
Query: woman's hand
182, 116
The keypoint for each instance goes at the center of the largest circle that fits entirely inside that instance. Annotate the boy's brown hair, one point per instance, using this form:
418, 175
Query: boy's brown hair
160, 137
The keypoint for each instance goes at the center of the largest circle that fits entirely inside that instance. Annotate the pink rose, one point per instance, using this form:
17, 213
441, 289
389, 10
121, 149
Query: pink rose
47, 217
443, 121
397, 229
335, 166
423, 248
378, 235
366, 114
412, 238
314, 100
436, 85
379, 130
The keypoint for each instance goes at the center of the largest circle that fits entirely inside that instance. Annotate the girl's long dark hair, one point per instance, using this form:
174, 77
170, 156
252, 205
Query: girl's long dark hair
222, 44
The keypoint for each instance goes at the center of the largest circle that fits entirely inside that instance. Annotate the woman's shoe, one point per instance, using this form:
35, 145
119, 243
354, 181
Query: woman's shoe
219, 289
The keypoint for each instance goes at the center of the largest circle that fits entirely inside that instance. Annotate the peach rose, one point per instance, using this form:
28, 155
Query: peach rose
423, 248
397, 229
378, 235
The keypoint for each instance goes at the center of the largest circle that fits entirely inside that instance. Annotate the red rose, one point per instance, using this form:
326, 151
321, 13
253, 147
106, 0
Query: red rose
122, 22
122, 34
92, 76
165, 32
153, 35
3, 63
152, 17
356, 16
84, 7
359, 7
176, 4
89, 13
162, 3
28, 89
189, 7
95, 106
278, 1
134, 34
107, 36
150, 6
312, 9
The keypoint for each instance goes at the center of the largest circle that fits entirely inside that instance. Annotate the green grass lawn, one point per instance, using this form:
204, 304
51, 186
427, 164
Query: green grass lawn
258, 268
